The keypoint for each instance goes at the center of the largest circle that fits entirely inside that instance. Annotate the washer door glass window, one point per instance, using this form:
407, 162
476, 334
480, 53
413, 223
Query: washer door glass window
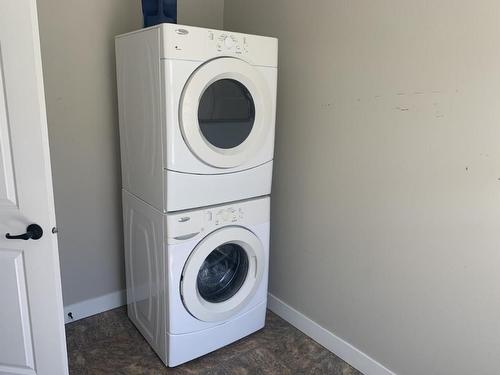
226, 113
222, 274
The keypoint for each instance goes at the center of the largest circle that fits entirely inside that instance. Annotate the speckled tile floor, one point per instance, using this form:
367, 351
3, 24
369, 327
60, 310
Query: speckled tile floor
108, 343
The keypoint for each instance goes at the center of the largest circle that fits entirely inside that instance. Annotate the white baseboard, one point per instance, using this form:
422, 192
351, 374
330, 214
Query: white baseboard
94, 306
355, 357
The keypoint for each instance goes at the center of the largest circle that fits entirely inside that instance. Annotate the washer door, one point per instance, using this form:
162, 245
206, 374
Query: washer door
222, 274
225, 112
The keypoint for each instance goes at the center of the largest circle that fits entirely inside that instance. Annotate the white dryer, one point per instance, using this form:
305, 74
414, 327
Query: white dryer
196, 280
197, 115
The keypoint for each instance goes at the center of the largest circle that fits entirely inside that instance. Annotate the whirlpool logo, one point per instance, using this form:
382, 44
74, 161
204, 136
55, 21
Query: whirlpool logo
181, 31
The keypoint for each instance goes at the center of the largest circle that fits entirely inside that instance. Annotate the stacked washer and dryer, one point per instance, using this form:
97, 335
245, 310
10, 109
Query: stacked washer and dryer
197, 117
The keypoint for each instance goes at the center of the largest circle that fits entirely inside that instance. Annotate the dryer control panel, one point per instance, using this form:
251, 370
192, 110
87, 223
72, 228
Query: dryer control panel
200, 44
187, 225
228, 42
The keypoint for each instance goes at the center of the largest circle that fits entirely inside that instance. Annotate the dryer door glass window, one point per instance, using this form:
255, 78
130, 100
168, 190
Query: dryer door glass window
226, 113
222, 273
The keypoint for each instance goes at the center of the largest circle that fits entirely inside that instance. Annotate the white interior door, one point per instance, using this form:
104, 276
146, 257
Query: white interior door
32, 337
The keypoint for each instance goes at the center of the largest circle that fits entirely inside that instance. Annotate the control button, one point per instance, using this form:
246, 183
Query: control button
229, 42
208, 215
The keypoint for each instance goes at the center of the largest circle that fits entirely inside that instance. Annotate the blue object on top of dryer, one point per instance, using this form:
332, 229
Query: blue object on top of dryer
197, 115
159, 11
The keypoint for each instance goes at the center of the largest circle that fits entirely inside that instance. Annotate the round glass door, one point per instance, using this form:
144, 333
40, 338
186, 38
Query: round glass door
225, 111
222, 273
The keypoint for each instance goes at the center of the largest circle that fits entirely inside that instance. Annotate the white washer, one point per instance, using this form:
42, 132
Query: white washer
196, 280
197, 115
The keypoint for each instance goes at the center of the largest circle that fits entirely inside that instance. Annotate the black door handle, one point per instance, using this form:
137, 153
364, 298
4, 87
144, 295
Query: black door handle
33, 231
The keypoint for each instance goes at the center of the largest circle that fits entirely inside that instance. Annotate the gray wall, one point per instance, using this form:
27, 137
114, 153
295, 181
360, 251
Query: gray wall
79, 73
386, 197
80, 88
201, 13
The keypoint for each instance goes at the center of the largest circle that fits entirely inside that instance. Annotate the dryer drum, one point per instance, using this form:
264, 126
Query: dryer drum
222, 273
226, 113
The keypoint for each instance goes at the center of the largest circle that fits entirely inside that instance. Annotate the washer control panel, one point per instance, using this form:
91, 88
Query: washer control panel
227, 42
188, 225
228, 215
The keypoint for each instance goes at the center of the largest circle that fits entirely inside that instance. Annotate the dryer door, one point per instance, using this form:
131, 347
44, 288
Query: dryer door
225, 112
222, 274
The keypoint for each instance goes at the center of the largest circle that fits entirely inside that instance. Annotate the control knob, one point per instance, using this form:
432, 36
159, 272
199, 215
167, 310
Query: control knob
229, 42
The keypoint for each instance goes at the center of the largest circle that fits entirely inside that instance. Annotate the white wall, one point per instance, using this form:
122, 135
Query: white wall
79, 73
386, 197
